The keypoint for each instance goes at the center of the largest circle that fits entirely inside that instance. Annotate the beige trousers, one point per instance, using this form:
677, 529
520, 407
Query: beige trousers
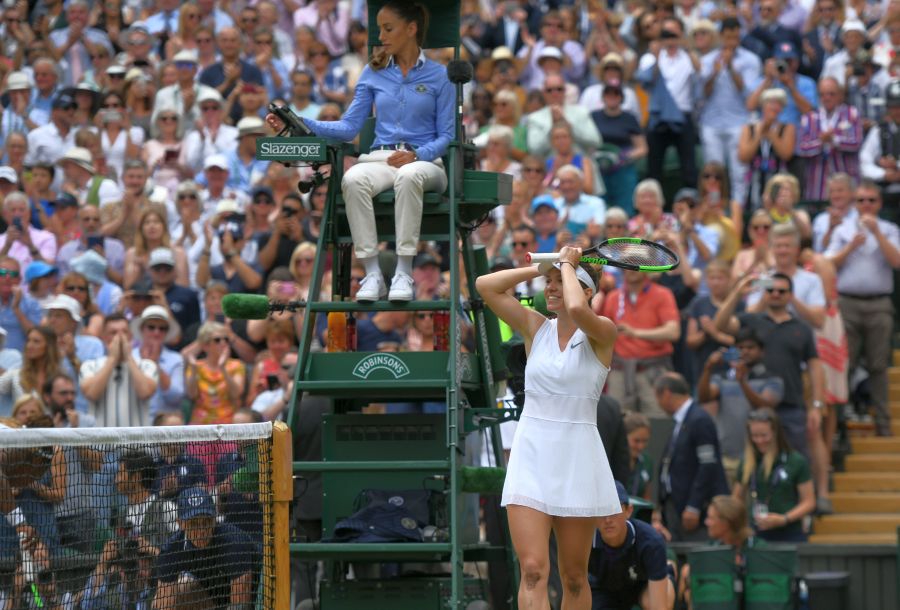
372, 175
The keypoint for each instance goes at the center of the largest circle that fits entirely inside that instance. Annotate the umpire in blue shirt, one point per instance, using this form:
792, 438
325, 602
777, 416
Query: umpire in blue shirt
691, 471
414, 123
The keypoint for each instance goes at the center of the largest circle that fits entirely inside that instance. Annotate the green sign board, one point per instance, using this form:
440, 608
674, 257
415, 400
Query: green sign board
308, 150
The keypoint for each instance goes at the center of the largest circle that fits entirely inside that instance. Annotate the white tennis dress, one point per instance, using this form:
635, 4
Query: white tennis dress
557, 464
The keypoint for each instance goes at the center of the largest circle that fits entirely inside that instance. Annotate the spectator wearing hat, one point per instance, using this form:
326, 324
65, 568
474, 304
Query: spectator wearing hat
700, 242
769, 33
301, 100
427, 275
611, 69
21, 240
183, 301
780, 71
540, 123
624, 144
504, 75
70, 45
183, 96
225, 74
703, 36
41, 279
15, 115
545, 216
111, 248
80, 178
216, 174
155, 329
46, 144
244, 169
839, 65
235, 257
219, 555
830, 138
727, 76
60, 217
628, 564
95, 269
117, 385
212, 136
550, 61
879, 156
18, 311
9, 181
62, 313
552, 34
668, 71
866, 88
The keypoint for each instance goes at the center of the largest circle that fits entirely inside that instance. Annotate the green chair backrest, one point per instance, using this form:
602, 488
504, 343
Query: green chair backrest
443, 26
713, 574
769, 578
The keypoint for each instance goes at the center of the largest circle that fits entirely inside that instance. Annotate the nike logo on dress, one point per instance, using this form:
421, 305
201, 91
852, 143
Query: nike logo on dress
574, 345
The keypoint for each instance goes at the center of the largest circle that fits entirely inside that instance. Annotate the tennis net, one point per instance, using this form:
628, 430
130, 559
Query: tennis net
166, 518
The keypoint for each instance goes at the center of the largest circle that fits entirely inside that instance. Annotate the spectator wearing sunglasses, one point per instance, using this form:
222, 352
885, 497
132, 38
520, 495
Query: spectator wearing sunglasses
215, 381
18, 311
789, 345
154, 328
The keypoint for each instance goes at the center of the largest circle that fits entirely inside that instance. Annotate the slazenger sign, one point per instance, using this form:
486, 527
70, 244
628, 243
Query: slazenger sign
291, 149
385, 362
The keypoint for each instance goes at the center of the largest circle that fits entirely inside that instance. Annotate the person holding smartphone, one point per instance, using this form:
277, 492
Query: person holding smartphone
21, 240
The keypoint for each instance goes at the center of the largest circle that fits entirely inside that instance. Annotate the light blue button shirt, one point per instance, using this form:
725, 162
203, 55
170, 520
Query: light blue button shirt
578, 215
172, 364
726, 108
417, 109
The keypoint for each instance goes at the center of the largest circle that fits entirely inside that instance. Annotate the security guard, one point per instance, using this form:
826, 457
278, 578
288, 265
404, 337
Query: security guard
628, 564
879, 157
691, 472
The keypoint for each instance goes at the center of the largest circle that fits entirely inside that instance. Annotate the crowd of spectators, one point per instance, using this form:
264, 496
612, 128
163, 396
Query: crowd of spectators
132, 202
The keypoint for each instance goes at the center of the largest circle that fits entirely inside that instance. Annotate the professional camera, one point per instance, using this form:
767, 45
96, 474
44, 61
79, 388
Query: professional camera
782, 66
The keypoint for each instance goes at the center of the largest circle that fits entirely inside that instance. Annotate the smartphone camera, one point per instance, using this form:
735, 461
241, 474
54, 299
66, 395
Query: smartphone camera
272, 381
731, 355
782, 66
17, 223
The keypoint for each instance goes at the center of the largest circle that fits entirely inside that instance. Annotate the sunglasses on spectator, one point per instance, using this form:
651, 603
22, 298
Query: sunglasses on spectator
9, 272
116, 76
203, 40
184, 65
187, 195
763, 227
866, 199
168, 119
157, 328
536, 170
777, 290
306, 260
554, 89
553, 24
219, 340
162, 268
112, 105
74, 288
99, 56
760, 416
210, 108
263, 41
711, 176
263, 201
521, 244
614, 226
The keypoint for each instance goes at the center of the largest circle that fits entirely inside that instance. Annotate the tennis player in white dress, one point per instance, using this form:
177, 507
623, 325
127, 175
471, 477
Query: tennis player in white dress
558, 477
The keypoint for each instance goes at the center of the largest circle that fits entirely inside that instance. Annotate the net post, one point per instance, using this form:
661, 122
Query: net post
282, 496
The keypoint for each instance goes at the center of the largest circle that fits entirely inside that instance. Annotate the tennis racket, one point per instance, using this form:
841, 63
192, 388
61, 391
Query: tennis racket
631, 253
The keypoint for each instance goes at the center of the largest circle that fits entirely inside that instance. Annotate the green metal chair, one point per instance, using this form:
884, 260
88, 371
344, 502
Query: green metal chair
769, 578
714, 579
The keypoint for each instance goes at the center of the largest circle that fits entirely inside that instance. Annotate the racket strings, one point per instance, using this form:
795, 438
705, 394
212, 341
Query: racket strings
641, 255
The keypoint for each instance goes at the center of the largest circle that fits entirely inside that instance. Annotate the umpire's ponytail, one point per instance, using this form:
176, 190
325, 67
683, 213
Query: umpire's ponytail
410, 12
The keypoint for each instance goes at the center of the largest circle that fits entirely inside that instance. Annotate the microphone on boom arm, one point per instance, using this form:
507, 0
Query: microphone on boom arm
256, 306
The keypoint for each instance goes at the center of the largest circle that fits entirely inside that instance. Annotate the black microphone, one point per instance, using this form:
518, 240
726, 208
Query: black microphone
255, 306
292, 122
459, 72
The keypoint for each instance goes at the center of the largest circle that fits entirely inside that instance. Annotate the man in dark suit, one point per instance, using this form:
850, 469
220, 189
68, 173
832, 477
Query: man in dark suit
506, 31
763, 39
691, 471
611, 425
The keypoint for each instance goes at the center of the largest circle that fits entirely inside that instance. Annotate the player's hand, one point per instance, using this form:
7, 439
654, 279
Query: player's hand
401, 158
571, 255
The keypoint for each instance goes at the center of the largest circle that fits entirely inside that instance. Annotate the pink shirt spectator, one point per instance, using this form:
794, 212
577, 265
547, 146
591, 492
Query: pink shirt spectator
44, 241
333, 30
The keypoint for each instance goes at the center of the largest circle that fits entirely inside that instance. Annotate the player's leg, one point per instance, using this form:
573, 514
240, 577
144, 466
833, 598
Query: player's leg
530, 532
574, 536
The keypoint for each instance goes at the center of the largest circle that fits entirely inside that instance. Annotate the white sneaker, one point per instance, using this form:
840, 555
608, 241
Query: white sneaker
402, 288
371, 288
